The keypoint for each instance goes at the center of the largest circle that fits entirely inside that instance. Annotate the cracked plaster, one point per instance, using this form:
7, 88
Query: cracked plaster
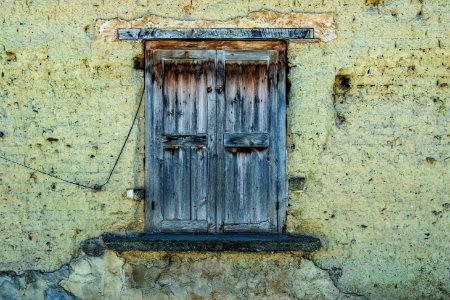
323, 23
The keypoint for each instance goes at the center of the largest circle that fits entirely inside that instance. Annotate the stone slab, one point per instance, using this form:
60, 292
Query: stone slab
208, 242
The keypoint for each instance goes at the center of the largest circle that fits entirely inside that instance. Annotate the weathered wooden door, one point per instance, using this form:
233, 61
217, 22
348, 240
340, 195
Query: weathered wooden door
248, 125
183, 134
215, 139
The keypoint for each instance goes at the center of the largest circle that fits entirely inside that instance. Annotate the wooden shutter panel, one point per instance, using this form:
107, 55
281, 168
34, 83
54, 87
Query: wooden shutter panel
215, 136
248, 108
183, 137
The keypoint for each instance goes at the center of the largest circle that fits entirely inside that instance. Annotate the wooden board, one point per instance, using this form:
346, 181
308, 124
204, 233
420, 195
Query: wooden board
216, 45
215, 33
181, 106
247, 172
246, 140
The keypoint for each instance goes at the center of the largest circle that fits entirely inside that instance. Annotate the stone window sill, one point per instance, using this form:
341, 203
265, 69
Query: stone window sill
211, 242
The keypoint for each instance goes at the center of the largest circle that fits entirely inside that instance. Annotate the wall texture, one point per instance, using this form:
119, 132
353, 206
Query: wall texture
369, 129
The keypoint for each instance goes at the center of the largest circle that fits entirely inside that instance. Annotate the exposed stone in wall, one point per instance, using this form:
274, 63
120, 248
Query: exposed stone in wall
323, 23
165, 275
34, 285
151, 275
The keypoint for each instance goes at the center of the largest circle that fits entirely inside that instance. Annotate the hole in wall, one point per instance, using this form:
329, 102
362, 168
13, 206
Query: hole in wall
138, 62
373, 3
341, 84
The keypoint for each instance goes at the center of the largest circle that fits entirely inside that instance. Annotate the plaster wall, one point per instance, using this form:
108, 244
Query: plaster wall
368, 119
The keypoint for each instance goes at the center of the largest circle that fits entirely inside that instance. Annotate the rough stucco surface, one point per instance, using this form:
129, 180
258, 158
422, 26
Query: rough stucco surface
138, 275
368, 120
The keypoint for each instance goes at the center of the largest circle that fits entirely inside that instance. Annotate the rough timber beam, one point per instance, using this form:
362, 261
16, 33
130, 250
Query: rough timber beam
216, 33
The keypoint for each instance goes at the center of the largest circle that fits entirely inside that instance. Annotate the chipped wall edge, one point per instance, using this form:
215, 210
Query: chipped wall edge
323, 24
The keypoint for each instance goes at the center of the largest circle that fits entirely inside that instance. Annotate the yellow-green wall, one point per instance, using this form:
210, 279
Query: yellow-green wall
375, 153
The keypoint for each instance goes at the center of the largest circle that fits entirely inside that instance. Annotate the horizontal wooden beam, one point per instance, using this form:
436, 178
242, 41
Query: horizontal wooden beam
171, 141
246, 140
216, 33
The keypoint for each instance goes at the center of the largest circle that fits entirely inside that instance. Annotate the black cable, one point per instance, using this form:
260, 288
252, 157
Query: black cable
99, 187
48, 174
95, 187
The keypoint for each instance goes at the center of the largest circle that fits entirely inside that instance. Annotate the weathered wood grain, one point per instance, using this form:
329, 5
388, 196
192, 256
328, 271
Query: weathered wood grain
247, 107
180, 108
212, 162
184, 226
272, 158
176, 187
246, 140
150, 166
247, 227
215, 33
237, 45
280, 147
216, 138
196, 141
199, 178
220, 128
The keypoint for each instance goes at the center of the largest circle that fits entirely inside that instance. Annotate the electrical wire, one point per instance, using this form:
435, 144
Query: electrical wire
96, 187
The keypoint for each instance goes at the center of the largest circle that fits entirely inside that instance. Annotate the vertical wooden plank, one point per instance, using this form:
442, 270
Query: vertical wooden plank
258, 99
263, 88
176, 192
155, 149
231, 104
249, 72
192, 74
199, 106
169, 97
199, 186
244, 181
168, 190
273, 136
180, 99
220, 150
149, 143
211, 127
231, 188
281, 145
232, 97
259, 187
